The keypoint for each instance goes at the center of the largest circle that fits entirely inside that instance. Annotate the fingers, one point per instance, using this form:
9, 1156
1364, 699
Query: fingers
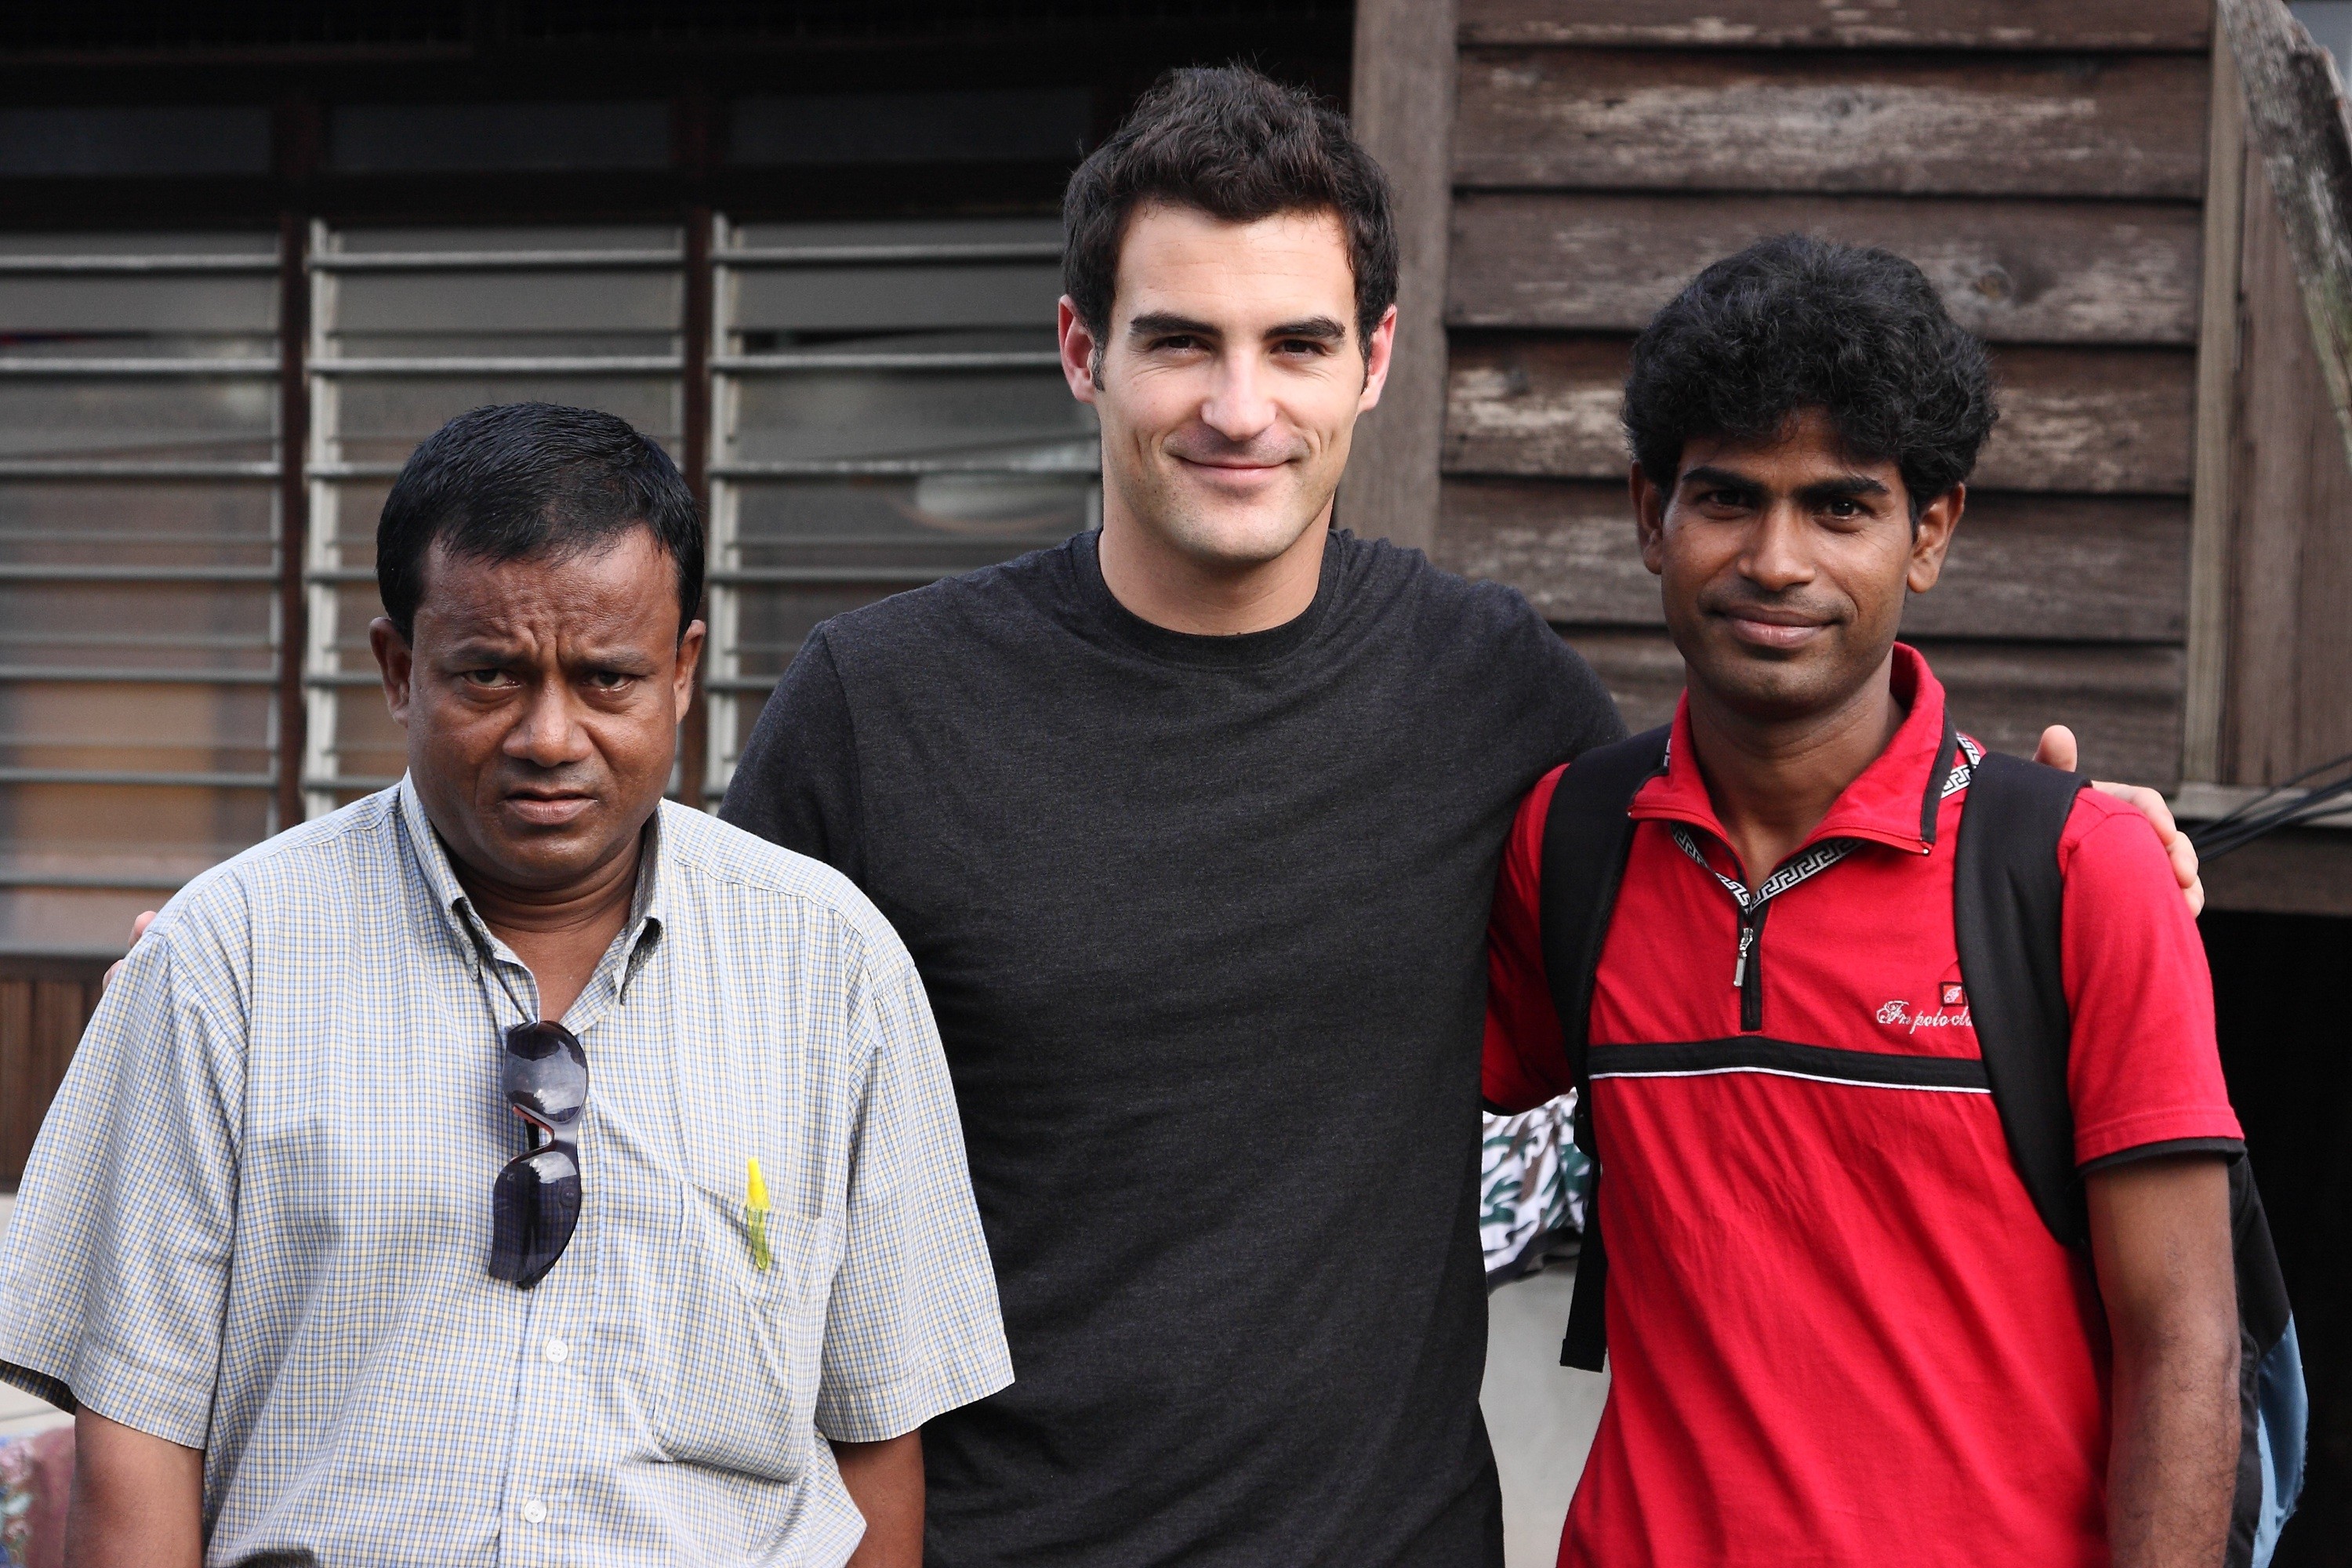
2184, 870
138, 929
2144, 801
2057, 749
2177, 847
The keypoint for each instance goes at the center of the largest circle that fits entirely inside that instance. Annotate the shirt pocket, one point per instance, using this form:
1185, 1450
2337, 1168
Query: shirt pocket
744, 1345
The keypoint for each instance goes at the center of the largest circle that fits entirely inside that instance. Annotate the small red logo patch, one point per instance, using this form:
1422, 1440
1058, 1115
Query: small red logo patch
1954, 996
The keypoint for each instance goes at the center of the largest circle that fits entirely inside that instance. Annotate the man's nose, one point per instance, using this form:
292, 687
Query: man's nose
1238, 407
548, 733
1776, 558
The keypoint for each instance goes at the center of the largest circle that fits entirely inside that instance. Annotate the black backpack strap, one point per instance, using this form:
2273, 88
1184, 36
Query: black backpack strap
1587, 837
2007, 899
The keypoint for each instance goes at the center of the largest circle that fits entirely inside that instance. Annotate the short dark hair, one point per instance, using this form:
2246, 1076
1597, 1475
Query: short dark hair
1795, 323
1232, 143
520, 480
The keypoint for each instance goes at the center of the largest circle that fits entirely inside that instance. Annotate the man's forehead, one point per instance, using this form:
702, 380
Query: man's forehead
1805, 450
1256, 274
620, 579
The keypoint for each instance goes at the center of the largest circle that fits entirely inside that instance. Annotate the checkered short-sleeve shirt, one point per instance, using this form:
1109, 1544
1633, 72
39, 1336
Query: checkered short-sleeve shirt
257, 1219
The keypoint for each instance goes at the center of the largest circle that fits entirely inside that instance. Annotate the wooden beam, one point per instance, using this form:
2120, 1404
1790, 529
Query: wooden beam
2112, 273
2113, 126
2038, 567
2300, 872
2294, 109
2216, 439
1403, 113
2099, 421
1882, 24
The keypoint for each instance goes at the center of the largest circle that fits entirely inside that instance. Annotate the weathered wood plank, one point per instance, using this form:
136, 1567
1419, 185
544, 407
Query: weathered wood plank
2096, 420
2008, 272
2295, 114
2125, 125
2288, 688
2297, 872
1884, 24
2123, 703
2226, 170
2072, 568
43, 1009
1404, 111
21, 1104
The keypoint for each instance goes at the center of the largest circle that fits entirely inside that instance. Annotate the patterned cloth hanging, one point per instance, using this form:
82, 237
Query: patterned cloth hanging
1532, 1188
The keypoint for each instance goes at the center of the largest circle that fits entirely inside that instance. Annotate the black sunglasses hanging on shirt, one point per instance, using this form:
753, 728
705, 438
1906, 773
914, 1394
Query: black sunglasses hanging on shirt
536, 1202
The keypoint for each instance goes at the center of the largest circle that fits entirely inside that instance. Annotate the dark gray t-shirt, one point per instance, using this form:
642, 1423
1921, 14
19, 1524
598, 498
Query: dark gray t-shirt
1202, 919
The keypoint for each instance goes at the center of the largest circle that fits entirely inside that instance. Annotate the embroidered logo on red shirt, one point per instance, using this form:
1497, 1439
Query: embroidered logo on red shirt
1951, 1013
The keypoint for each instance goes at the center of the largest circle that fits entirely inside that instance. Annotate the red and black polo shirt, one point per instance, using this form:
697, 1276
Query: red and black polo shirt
1838, 1331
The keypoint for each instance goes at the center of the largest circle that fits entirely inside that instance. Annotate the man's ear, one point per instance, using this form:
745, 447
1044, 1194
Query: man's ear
396, 662
1932, 536
690, 654
1649, 518
1081, 350
1378, 349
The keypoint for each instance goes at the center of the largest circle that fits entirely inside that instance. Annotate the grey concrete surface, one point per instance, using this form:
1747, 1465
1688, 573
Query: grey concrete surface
1540, 1415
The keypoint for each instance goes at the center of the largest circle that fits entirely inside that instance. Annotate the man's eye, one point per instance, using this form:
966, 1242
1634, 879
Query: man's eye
1307, 346
485, 677
609, 680
1177, 344
1845, 509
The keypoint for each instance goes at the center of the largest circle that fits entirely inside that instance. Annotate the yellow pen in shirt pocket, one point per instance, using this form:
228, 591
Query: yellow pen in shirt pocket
755, 1214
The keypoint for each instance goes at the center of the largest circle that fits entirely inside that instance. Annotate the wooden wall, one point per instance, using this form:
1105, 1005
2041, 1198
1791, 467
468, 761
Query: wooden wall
2045, 164
2287, 603
44, 1003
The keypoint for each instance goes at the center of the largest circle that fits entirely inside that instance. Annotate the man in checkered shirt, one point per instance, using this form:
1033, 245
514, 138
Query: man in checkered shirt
318, 1297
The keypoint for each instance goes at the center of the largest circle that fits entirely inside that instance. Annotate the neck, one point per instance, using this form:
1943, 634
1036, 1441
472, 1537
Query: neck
560, 934
1158, 582
1771, 780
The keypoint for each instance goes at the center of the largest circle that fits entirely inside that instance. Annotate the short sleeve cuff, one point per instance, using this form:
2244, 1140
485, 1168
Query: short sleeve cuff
40, 1384
2230, 1149
876, 1413
2102, 1143
144, 1398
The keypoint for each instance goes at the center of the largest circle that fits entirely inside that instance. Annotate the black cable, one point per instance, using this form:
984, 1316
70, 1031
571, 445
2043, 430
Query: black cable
2265, 813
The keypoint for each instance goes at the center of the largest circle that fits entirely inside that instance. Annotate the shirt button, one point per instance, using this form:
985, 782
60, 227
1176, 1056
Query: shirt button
534, 1512
556, 1351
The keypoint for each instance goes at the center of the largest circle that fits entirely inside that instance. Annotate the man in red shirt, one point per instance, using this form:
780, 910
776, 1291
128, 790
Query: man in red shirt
1838, 1330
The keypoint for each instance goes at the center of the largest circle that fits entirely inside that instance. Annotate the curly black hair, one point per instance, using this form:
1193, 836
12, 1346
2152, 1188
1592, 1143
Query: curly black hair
1795, 323
1231, 143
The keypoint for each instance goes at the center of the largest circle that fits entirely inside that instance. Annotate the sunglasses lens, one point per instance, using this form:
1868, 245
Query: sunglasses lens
545, 1072
532, 1210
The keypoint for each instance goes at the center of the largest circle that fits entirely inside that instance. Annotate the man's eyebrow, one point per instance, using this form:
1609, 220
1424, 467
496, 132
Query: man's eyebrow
1167, 323
1322, 329
1705, 474
1846, 487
